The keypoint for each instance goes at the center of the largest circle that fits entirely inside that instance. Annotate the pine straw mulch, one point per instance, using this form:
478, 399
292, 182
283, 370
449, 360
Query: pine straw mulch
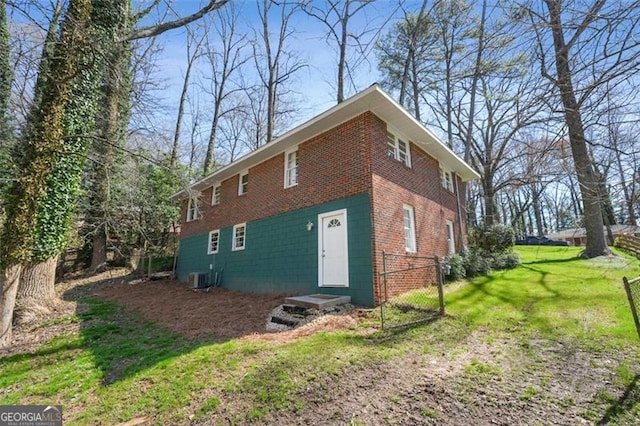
218, 314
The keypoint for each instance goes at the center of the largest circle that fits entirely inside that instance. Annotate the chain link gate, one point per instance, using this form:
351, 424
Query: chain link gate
632, 287
410, 289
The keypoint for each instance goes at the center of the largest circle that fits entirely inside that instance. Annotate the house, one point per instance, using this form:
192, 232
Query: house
578, 236
312, 211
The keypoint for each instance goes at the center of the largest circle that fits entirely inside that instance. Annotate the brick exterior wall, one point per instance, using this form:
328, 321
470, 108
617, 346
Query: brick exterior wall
347, 160
331, 166
394, 184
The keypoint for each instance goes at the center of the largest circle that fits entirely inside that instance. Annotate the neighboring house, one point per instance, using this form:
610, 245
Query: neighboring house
313, 210
578, 236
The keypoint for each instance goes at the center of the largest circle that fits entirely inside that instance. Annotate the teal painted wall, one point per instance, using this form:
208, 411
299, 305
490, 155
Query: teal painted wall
281, 256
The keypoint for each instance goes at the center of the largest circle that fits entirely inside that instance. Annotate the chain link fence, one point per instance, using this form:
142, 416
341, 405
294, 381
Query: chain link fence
410, 290
632, 287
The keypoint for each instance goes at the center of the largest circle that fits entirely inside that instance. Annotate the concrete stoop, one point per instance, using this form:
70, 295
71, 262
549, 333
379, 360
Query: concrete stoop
318, 301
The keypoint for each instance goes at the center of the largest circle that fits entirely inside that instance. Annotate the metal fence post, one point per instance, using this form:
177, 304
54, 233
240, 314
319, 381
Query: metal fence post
383, 282
440, 280
627, 287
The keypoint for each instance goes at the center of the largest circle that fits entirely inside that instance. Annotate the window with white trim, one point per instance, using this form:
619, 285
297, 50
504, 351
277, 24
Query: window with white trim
239, 236
291, 168
243, 183
398, 149
409, 225
451, 238
193, 209
214, 242
216, 194
446, 179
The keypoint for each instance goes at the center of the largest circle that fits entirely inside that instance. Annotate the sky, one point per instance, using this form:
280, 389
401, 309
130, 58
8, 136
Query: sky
314, 84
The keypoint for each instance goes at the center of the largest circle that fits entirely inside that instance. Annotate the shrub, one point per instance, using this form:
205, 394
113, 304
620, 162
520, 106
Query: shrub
476, 263
507, 260
493, 239
456, 267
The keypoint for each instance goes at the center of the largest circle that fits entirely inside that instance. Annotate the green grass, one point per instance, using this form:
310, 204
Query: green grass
553, 292
119, 366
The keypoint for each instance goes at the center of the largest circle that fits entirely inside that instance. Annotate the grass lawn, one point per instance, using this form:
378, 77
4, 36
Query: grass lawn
552, 341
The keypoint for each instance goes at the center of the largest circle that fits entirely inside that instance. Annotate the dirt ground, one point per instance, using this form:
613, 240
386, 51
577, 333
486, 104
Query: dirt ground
481, 380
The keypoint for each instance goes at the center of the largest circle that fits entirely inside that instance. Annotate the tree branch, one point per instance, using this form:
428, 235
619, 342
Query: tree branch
161, 28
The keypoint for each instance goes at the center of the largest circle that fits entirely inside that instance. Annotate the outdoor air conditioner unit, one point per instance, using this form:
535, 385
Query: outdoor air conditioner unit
198, 280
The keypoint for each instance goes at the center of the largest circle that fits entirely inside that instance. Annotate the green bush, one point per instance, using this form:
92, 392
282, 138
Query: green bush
507, 260
476, 262
455, 262
490, 247
493, 239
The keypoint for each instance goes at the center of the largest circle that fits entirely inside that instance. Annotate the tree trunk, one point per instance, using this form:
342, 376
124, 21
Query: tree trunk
37, 281
9, 282
36, 294
596, 243
99, 252
537, 210
112, 127
491, 215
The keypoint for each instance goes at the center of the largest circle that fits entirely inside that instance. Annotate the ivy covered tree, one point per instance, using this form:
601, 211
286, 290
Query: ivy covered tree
41, 145
7, 136
55, 213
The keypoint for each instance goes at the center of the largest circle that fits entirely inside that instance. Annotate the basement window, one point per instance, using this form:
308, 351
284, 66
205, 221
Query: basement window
239, 236
214, 242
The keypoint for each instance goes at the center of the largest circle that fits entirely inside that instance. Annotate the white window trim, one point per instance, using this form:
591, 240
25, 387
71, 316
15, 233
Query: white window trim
286, 167
397, 140
412, 247
213, 194
240, 176
244, 239
211, 233
451, 239
446, 184
193, 212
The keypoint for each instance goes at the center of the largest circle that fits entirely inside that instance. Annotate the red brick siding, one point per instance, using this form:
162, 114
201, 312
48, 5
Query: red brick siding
430, 221
331, 166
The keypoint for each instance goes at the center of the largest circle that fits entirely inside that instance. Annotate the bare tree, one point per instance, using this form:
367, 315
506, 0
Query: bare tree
115, 118
194, 45
226, 55
593, 44
275, 62
403, 58
337, 16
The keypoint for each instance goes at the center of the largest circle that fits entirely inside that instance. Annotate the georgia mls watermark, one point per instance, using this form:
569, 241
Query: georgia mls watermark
30, 415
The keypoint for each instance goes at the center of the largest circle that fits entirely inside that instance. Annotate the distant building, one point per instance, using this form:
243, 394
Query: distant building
578, 236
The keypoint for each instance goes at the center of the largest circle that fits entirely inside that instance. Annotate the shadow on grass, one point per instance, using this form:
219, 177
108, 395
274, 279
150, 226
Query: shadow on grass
629, 399
121, 341
482, 294
552, 261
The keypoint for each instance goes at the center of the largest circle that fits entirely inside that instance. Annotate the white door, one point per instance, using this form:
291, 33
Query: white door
333, 250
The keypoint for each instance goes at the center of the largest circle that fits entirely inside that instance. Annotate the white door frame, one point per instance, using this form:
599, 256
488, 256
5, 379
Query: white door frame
321, 217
